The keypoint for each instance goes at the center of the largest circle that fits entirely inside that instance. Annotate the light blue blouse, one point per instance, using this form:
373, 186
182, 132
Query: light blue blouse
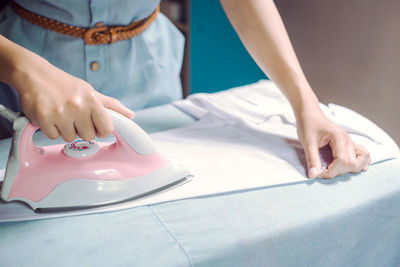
141, 72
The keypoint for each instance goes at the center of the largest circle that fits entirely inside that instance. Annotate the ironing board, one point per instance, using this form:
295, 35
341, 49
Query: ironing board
352, 220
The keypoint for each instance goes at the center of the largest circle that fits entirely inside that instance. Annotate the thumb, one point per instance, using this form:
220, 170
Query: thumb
117, 106
313, 161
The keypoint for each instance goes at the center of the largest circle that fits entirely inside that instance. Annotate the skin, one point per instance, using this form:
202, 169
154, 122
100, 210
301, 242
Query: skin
59, 103
262, 32
66, 106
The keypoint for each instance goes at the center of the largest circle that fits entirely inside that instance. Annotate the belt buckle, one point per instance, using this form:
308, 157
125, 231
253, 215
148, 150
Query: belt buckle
112, 32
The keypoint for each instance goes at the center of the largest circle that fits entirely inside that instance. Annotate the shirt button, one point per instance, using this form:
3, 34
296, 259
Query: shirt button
94, 66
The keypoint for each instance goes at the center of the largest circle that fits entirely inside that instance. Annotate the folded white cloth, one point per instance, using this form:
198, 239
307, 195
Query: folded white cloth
263, 108
246, 138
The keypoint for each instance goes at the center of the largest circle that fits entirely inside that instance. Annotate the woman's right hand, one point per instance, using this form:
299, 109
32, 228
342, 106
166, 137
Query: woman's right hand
61, 104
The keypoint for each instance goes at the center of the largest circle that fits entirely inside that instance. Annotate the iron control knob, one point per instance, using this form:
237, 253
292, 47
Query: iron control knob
80, 148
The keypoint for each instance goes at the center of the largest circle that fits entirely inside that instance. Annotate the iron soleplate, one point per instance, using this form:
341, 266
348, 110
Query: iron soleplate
18, 211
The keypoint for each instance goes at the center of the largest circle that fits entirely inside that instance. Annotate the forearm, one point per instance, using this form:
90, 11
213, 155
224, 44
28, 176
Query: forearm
261, 30
14, 59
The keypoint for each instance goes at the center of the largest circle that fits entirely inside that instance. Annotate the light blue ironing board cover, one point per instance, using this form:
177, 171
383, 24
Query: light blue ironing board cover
352, 220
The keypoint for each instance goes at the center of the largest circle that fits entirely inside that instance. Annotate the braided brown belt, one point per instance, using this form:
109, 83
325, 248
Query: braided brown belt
93, 36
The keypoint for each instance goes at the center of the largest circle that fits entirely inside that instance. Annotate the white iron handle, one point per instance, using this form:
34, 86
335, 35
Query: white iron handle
135, 136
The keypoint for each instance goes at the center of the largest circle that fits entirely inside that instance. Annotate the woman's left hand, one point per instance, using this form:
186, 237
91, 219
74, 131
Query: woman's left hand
261, 30
315, 130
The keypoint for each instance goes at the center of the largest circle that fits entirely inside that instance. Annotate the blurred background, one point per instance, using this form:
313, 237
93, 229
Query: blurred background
349, 51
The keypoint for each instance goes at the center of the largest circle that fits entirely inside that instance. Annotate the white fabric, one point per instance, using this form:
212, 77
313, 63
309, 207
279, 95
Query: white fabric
246, 138
262, 107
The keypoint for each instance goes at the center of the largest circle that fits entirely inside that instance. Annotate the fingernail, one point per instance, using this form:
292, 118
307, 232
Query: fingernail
312, 172
129, 113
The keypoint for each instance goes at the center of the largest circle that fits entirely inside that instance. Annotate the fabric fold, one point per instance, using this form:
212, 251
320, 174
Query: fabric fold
262, 107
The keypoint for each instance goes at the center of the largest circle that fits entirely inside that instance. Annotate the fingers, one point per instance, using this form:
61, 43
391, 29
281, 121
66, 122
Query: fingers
102, 122
97, 122
313, 125
348, 157
61, 104
47, 126
366, 167
363, 155
86, 123
334, 169
67, 130
84, 128
94, 122
50, 131
116, 105
313, 160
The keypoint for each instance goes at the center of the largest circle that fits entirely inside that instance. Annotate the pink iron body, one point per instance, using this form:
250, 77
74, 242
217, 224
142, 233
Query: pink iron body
85, 175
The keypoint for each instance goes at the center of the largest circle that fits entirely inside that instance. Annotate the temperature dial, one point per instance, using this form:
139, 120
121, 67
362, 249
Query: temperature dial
80, 148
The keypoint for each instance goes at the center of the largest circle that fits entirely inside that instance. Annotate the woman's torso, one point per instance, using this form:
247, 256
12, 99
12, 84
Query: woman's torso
142, 71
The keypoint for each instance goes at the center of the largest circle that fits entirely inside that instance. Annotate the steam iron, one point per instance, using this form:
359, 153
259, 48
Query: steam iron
83, 175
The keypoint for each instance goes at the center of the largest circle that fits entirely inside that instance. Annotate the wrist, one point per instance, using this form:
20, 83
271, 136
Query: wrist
9, 57
17, 75
303, 100
17, 64
22, 70
298, 92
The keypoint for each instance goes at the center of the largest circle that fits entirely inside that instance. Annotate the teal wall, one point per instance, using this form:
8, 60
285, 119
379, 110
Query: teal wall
218, 59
